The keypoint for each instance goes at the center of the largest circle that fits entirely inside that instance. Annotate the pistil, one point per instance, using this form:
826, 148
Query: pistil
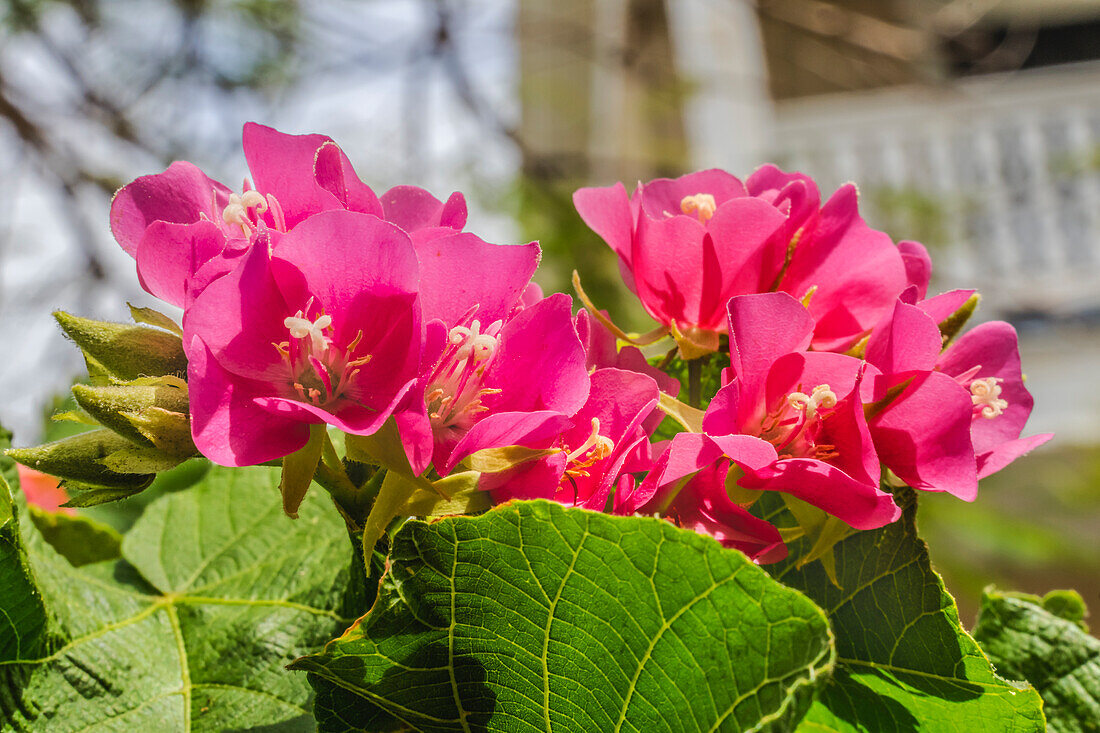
985, 394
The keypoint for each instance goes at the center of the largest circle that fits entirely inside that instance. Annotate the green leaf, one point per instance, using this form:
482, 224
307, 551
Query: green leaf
23, 632
80, 540
190, 631
533, 616
1027, 641
904, 662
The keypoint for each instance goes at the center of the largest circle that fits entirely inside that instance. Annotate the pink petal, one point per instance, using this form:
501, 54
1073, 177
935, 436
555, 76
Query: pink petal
908, 340
762, 328
746, 254
723, 415
342, 254
997, 458
178, 196
413, 208
943, 305
540, 362
607, 212
620, 400
538, 479
668, 265
859, 504
349, 417
502, 429
794, 194
240, 315
283, 165
924, 436
453, 214
663, 197
918, 265
453, 276
600, 351
858, 272
227, 425
992, 346
169, 255
334, 173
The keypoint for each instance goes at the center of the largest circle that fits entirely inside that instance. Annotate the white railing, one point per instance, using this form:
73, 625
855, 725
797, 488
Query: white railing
1004, 170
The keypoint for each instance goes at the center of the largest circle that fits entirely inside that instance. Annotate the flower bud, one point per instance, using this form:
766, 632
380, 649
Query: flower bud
81, 458
124, 351
149, 412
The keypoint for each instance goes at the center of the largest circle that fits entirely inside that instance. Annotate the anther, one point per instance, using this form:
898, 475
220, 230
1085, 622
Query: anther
701, 204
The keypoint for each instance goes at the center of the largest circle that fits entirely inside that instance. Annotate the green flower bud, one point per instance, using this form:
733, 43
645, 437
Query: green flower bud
150, 412
124, 351
80, 458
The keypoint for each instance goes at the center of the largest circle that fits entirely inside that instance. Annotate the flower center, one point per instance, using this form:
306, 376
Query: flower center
701, 204
455, 392
821, 396
594, 449
320, 371
246, 211
986, 396
794, 426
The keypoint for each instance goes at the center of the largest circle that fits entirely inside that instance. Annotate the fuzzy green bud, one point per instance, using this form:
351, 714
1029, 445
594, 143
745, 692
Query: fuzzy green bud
81, 458
122, 350
150, 412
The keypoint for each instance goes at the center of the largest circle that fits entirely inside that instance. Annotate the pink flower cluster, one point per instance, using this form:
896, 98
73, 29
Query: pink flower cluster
309, 300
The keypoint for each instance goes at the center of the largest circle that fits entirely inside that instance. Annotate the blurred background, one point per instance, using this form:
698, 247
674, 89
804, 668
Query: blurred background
970, 125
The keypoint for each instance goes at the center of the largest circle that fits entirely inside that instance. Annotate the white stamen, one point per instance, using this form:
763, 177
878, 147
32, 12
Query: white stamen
471, 341
600, 446
236, 213
301, 327
701, 204
821, 397
986, 394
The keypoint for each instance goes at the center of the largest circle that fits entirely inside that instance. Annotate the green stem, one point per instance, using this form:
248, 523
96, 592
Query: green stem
354, 502
695, 379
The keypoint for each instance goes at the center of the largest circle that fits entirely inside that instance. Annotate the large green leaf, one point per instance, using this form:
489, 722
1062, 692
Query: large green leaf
535, 617
1042, 640
904, 662
215, 592
23, 632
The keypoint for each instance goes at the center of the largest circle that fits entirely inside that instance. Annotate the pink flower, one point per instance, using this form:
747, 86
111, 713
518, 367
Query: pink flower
516, 380
959, 414
186, 230
604, 445
601, 351
508, 366
986, 361
318, 325
687, 245
43, 491
789, 420
701, 502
